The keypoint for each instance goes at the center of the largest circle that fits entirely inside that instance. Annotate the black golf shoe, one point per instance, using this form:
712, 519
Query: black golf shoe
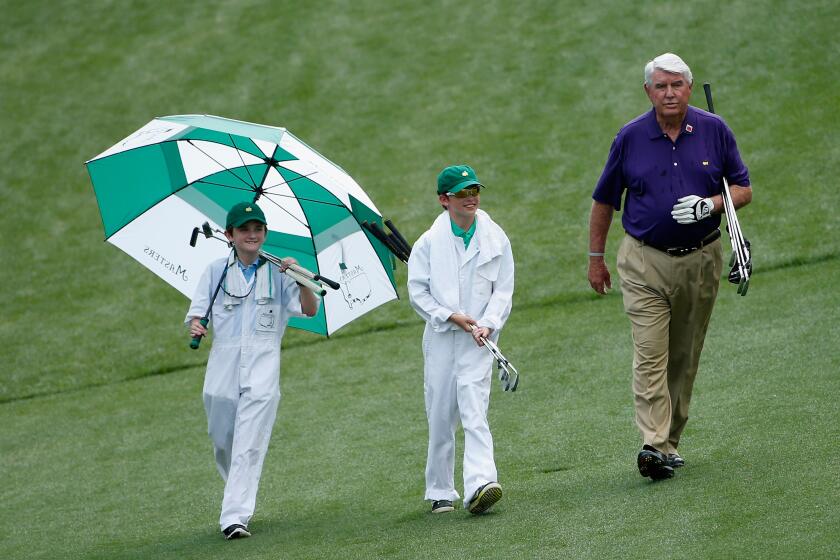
442, 506
236, 532
654, 464
675, 460
485, 497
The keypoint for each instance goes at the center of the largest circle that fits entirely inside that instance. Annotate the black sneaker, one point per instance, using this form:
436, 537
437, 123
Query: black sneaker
675, 460
485, 497
236, 532
654, 464
442, 506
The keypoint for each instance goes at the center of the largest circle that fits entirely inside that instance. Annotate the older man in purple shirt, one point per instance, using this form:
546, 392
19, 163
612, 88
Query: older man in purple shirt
671, 162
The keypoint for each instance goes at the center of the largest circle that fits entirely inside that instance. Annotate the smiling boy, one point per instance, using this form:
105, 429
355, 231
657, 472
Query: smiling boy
242, 383
460, 274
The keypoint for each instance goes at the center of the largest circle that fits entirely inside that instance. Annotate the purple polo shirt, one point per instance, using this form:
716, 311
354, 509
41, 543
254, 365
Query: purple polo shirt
655, 172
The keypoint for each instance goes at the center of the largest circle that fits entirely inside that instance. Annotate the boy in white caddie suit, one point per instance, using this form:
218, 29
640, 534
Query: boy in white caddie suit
242, 384
460, 281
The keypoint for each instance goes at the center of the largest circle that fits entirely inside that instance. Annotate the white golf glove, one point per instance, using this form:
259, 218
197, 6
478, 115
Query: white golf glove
691, 209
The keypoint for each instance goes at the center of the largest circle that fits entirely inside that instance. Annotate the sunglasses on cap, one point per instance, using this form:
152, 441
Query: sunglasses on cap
467, 192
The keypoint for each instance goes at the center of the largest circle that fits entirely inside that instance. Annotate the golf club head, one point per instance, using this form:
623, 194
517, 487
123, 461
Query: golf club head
504, 376
515, 383
743, 286
508, 376
738, 274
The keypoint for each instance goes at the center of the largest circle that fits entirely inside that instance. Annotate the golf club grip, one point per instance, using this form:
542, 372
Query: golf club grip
707, 88
331, 283
406, 247
316, 277
306, 282
380, 235
194, 237
196, 340
395, 242
302, 271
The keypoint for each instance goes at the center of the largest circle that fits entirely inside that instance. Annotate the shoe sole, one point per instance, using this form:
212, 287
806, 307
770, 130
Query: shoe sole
653, 467
444, 509
488, 496
238, 534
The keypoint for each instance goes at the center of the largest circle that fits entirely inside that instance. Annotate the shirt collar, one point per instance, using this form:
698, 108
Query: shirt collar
465, 235
689, 124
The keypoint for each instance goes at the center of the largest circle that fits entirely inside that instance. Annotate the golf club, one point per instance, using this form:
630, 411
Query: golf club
316, 277
508, 374
196, 340
389, 242
403, 243
741, 260
306, 279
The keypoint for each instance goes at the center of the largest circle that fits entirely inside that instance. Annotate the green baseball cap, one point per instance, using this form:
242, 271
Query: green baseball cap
456, 177
244, 212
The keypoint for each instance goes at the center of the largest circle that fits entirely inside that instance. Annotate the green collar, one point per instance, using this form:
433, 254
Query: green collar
465, 235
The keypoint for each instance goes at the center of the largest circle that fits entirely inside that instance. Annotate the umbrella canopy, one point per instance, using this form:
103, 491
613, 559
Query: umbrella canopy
177, 172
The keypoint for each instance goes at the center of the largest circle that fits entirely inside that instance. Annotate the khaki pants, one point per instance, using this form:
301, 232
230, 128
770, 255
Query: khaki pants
669, 301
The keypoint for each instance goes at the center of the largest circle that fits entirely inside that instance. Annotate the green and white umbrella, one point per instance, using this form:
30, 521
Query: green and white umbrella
177, 172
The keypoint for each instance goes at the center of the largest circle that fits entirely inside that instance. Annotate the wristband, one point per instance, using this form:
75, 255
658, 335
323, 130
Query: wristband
595, 254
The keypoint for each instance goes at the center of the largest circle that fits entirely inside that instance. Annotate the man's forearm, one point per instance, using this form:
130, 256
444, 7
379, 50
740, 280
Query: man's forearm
741, 196
599, 226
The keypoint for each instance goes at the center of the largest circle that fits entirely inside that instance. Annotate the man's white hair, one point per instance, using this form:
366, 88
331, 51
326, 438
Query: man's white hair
668, 62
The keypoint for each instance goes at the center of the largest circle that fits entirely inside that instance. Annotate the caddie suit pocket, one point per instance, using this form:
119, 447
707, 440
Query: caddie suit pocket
486, 275
268, 318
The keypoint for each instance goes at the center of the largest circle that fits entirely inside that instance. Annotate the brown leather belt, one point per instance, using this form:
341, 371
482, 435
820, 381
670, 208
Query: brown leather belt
683, 251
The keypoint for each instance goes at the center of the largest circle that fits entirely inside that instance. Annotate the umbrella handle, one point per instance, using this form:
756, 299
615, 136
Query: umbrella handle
196, 340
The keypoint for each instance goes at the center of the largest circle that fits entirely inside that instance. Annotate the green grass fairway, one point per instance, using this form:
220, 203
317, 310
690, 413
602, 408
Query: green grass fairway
103, 445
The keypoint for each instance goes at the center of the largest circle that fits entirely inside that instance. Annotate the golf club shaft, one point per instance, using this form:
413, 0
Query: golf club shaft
739, 246
306, 282
316, 277
736, 236
196, 340
298, 277
302, 276
489, 346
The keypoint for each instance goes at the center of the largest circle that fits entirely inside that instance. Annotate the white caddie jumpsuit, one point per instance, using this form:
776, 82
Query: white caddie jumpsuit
444, 278
242, 383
